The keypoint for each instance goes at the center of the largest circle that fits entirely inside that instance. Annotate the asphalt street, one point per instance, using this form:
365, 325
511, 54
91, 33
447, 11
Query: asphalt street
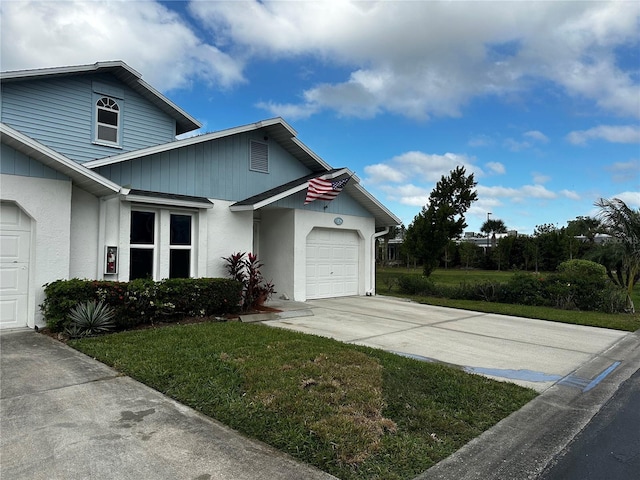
609, 446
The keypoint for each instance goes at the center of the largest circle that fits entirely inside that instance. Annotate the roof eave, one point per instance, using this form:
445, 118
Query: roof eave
84, 178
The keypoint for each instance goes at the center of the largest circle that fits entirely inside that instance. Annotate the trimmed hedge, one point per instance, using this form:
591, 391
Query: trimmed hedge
577, 285
143, 301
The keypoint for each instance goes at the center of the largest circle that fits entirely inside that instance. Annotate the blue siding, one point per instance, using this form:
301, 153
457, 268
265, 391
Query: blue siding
214, 169
219, 169
343, 204
59, 113
13, 162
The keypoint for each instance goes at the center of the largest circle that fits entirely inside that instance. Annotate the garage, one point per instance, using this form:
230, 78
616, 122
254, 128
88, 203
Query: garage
15, 241
332, 263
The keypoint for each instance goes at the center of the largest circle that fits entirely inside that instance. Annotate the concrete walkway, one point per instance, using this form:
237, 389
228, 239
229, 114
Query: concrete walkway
66, 416
532, 353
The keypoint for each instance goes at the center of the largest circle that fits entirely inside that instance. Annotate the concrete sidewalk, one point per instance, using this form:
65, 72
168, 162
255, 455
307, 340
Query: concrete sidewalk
66, 416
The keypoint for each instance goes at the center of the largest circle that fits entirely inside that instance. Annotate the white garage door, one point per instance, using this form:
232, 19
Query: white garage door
15, 235
332, 263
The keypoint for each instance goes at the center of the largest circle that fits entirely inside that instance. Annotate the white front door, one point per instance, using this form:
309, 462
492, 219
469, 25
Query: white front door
332, 263
15, 241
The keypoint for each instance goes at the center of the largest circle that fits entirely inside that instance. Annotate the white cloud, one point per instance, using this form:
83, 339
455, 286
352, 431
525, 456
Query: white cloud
532, 137
288, 110
539, 178
609, 133
496, 168
516, 146
400, 57
516, 195
570, 194
537, 136
382, 173
625, 171
632, 199
409, 194
404, 57
420, 166
149, 37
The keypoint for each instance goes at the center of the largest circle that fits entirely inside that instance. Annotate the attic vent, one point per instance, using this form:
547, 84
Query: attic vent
259, 156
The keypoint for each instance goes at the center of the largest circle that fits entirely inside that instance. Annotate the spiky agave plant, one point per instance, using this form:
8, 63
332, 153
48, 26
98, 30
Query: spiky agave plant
90, 318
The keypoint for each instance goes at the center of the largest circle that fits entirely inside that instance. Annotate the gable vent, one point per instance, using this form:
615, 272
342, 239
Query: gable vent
259, 156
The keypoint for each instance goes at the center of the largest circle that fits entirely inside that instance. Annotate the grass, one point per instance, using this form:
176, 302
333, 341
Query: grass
386, 286
355, 412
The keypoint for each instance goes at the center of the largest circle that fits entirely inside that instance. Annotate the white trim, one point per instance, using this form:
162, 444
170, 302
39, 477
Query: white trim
165, 201
81, 175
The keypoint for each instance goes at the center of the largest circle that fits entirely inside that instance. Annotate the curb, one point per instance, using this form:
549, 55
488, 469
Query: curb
523, 444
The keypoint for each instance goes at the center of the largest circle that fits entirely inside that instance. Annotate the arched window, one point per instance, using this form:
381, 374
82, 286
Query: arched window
107, 121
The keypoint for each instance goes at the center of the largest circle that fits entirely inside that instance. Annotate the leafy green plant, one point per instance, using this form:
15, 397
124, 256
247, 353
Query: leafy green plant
142, 301
416, 285
90, 318
246, 270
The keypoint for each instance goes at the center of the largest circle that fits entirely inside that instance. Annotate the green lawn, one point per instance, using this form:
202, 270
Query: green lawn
385, 281
355, 412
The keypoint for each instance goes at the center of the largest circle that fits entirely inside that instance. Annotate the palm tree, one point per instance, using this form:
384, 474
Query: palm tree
492, 227
623, 224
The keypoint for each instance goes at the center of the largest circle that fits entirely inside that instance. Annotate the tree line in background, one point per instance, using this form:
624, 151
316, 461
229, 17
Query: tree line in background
433, 240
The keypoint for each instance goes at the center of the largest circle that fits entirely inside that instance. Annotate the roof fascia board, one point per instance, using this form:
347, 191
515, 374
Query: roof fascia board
58, 158
69, 70
374, 200
324, 164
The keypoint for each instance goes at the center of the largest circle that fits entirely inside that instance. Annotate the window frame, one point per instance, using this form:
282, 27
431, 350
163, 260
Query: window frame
163, 245
97, 124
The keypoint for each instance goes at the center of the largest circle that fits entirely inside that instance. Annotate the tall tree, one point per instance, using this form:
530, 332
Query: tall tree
623, 224
442, 219
493, 226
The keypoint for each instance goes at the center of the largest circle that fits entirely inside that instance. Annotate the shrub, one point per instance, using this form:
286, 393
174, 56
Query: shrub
582, 269
416, 285
487, 291
142, 301
525, 289
90, 318
579, 284
246, 270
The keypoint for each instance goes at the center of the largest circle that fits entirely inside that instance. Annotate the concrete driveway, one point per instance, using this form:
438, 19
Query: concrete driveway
532, 353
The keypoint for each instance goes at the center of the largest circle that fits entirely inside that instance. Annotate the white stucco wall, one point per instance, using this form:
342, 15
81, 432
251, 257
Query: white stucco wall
277, 249
85, 220
305, 221
48, 204
227, 232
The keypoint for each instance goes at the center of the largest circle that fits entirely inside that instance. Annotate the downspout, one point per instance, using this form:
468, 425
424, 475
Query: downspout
374, 239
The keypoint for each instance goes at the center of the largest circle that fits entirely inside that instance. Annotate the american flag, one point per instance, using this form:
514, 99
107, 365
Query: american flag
320, 189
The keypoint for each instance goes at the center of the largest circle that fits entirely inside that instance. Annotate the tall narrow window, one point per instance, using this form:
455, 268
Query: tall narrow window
107, 121
180, 246
142, 242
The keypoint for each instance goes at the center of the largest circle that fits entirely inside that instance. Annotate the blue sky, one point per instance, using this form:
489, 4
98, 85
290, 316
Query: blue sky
540, 100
